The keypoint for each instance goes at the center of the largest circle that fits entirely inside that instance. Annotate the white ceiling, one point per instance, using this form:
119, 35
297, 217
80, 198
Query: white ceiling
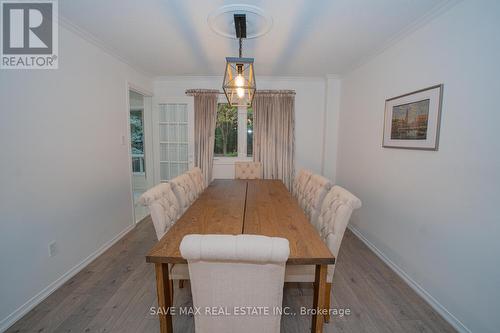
308, 37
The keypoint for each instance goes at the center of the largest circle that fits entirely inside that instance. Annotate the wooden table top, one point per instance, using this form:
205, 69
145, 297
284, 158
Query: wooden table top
260, 207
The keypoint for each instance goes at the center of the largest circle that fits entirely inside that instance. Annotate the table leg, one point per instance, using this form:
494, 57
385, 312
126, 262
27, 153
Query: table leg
328, 292
164, 297
319, 298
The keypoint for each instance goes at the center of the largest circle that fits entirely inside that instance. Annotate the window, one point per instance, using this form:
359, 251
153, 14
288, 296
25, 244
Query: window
226, 131
233, 129
137, 140
249, 132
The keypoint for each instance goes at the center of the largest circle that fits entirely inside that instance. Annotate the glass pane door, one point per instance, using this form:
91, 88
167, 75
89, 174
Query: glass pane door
173, 131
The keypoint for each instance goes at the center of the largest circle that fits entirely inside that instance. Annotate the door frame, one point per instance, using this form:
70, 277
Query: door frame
189, 101
148, 148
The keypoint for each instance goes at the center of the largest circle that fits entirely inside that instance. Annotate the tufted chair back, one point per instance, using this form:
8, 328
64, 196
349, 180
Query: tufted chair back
197, 178
300, 183
163, 207
316, 189
185, 190
243, 271
335, 213
247, 170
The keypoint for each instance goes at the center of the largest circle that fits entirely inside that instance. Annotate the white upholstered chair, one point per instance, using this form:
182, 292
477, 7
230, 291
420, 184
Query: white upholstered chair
334, 216
236, 272
163, 207
165, 211
247, 170
315, 191
197, 178
300, 182
185, 190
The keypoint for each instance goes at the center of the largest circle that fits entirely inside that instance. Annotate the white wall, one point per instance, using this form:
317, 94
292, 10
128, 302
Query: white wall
65, 175
309, 114
434, 214
331, 126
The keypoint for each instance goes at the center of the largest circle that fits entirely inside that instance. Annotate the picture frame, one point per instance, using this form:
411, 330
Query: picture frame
412, 120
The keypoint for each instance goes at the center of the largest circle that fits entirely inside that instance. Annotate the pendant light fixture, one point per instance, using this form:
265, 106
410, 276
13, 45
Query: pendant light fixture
239, 77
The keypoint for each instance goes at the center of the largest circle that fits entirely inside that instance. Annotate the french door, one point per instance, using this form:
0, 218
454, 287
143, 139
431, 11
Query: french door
173, 137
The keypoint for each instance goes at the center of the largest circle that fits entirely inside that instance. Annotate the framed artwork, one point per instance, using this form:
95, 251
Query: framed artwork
411, 121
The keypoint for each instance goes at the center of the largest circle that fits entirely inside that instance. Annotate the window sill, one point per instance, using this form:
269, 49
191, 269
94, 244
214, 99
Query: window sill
223, 160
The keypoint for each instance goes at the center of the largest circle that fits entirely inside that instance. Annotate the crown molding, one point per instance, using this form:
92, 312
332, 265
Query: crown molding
298, 78
421, 22
432, 14
220, 77
87, 36
333, 76
188, 77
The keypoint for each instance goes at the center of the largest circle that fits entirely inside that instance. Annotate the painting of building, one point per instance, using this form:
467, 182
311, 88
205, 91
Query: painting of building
410, 121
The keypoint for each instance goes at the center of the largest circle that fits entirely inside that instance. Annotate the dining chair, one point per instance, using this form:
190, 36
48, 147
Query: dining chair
333, 219
300, 183
165, 211
163, 207
185, 190
315, 191
236, 273
247, 170
197, 178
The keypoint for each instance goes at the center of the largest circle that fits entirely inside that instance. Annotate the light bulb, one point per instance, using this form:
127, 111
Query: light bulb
240, 92
239, 81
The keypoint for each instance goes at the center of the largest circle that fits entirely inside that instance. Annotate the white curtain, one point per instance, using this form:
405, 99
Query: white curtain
274, 139
205, 116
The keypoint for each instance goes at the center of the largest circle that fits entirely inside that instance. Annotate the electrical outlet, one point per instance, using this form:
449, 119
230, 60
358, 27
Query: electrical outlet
52, 249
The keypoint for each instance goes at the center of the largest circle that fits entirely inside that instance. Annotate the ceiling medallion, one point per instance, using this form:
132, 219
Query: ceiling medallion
221, 20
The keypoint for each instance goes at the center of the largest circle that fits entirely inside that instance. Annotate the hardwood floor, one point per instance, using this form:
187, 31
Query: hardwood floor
115, 292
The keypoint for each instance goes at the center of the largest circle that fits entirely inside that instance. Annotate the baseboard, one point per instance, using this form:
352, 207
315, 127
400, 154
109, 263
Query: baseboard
438, 307
143, 219
37, 299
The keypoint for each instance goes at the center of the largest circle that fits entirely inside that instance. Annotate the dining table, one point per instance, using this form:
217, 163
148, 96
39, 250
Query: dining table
238, 206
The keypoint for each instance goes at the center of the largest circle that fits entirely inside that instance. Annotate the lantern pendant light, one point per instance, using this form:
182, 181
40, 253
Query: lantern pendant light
239, 78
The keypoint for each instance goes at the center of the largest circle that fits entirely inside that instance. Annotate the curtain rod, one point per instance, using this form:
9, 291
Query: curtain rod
211, 91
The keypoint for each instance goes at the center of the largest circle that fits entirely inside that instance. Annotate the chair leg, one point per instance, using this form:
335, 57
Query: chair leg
172, 291
328, 290
181, 284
